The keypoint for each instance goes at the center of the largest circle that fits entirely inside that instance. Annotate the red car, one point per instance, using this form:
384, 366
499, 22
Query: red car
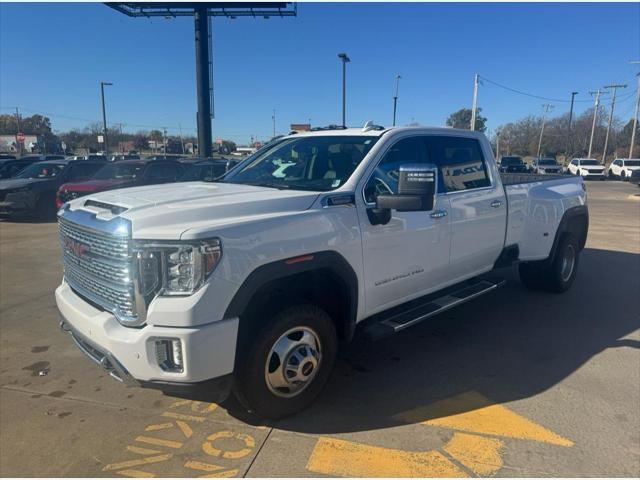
129, 173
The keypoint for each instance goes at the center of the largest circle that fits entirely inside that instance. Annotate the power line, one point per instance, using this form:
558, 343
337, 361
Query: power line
514, 90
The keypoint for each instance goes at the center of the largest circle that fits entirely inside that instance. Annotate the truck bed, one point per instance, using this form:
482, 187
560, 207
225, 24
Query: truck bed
515, 178
536, 204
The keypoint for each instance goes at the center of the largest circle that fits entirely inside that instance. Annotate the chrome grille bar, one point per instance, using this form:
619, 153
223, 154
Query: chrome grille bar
98, 266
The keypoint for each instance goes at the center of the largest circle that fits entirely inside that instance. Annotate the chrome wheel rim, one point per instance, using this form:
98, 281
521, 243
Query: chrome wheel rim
293, 362
568, 263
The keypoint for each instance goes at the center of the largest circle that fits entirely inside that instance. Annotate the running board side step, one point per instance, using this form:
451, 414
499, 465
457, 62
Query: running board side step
393, 323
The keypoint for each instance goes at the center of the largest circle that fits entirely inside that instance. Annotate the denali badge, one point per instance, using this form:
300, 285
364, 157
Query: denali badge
75, 247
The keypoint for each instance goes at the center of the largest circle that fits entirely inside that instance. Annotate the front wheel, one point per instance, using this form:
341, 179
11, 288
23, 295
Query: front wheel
623, 176
286, 364
556, 276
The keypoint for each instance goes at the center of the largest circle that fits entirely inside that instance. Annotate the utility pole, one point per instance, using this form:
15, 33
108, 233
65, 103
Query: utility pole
345, 59
21, 144
203, 86
395, 99
635, 118
596, 105
498, 145
474, 105
273, 118
569, 147
164, 140
547, 107
104, 117
613, 104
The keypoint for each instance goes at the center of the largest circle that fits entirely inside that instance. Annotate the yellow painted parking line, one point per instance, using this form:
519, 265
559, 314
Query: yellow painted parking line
158, 441
181, 416
225, 474
479, 454
138, 461
158, 426
472, 412
184, 428
349, 459
142, 451
209, 448
206, 467
135, 474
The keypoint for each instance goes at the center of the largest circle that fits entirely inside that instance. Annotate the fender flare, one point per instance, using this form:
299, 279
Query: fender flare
567, 226
284, 268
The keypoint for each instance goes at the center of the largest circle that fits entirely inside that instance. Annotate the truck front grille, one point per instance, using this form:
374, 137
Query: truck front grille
97, 265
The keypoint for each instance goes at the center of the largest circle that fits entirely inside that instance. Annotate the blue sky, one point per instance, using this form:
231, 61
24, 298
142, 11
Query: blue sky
53, 56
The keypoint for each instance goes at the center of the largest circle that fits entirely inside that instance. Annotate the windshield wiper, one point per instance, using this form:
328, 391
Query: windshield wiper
279, 186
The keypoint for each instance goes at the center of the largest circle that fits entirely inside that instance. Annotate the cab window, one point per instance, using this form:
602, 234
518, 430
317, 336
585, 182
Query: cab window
385, 177
460, 163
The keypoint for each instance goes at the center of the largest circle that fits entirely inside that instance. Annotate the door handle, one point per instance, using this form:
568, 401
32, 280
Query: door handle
496, 203
438, 214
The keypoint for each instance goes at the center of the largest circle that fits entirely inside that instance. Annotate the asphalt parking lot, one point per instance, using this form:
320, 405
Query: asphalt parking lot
513, 384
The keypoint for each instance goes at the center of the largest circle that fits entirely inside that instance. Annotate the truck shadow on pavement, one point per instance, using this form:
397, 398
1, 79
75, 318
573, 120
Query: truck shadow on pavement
510, 345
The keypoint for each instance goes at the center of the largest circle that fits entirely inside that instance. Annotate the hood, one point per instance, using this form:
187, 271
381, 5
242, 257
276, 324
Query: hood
11, 183
194, 209
94, 185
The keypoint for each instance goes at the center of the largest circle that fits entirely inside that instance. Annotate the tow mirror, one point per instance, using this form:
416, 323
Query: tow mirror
416, 193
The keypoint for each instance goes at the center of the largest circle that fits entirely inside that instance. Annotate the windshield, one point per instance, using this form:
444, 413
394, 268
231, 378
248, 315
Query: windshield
318, 163
204, 173
118, 171
632, 163
42, 170
547, 161
589, 162
507, 161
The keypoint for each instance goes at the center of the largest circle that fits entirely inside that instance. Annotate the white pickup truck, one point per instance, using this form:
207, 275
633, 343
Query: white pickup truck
252, 283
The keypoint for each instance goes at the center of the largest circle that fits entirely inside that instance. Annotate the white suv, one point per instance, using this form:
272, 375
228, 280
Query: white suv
623, 168
586, 168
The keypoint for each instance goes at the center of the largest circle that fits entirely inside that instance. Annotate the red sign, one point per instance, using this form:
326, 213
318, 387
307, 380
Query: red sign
20, 137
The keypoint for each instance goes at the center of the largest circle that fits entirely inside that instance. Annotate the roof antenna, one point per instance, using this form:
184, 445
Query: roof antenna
368, 126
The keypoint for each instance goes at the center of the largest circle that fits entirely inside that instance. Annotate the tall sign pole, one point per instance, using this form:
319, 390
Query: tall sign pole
201, 23
104, 118
345, 59
546, 107
569, 144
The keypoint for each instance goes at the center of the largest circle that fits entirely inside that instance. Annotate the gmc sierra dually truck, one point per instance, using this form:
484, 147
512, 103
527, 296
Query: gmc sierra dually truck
250, 285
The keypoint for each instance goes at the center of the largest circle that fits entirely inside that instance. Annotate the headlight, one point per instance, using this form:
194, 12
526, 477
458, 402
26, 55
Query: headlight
175, 268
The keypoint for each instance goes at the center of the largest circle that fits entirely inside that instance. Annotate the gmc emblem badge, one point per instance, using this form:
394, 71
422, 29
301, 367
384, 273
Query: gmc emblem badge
75, 247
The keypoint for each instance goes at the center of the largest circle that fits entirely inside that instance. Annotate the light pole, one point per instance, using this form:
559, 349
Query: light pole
104, 117
345, 59
273, 118
474, 104
395, 99
595, 115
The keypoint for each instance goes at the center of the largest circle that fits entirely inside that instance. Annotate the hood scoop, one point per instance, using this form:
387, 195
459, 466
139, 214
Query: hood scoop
114, 209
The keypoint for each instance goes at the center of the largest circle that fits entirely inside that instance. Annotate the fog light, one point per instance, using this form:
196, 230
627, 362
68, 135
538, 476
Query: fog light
169, 354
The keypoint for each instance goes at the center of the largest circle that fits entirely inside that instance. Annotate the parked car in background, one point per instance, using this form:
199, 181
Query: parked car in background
635, 177
165, 157
545, 166
587, 168
119, 157
206, 169
512, 164
33, 190
623, 168
9, 168
6, 156
128, 173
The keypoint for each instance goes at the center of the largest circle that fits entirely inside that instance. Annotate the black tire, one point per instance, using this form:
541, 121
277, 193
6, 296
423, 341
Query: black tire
252, 387
610, 175
623, 176
558, 275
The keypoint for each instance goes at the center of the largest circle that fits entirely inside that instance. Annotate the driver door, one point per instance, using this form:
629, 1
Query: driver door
408, 257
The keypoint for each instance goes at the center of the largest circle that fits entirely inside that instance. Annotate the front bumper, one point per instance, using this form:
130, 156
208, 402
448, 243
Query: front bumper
593, 175
128, 354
